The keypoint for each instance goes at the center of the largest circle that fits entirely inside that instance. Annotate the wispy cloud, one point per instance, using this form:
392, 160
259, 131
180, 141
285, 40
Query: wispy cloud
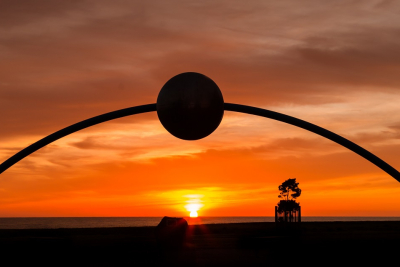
334, 64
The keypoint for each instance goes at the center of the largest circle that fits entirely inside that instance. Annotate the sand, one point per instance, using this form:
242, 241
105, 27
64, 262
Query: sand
241, 244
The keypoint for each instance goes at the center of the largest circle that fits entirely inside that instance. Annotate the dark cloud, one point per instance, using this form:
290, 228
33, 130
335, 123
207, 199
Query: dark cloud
65, 61
396, 128
98, 143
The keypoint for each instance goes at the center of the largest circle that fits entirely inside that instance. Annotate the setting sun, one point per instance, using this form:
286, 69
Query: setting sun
193, 208
193, 214
194, 204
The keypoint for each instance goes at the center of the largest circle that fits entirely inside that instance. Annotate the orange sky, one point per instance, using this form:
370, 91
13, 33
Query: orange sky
333, 64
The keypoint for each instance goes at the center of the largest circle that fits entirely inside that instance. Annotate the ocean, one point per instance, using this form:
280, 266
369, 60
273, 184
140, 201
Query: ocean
101, 222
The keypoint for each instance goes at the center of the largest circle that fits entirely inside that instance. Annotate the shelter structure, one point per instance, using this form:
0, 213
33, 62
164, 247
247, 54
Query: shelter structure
286, 215
171, 232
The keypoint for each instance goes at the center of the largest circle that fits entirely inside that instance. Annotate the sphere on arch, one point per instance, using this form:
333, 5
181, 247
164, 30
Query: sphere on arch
190, 106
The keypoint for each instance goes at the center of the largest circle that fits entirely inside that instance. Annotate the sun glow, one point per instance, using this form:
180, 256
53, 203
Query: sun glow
193, 214
194, 204
193, 208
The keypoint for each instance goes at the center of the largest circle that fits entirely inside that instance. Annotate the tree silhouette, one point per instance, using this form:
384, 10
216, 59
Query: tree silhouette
289, 189
289, 192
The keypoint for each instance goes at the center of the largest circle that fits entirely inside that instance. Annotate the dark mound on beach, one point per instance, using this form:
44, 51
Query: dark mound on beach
241, 244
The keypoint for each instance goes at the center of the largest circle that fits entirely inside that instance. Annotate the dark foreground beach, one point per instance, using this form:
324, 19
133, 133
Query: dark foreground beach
241, 244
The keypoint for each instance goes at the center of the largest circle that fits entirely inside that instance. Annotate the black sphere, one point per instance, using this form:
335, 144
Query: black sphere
190, 106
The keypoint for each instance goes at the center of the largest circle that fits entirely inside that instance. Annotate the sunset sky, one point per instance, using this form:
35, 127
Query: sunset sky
332, 63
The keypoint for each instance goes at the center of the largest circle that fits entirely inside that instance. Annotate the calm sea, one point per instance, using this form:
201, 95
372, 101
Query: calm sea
96, 222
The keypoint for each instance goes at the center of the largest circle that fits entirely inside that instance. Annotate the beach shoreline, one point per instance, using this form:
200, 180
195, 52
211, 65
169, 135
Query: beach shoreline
236, 244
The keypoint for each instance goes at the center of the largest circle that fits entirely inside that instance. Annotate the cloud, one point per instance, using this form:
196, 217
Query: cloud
334, 64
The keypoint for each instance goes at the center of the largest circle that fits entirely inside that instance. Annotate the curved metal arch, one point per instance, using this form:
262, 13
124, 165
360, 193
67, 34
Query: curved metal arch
74, 128
318, 130
227, 106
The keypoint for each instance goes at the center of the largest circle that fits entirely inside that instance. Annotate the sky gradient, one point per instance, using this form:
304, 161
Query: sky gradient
335, 64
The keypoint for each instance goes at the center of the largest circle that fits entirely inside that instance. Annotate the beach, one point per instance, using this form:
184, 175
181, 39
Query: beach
236, 244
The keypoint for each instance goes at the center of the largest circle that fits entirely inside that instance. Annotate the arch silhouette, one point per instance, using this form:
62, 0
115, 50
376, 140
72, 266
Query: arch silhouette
74, 128
227, 106
318, 130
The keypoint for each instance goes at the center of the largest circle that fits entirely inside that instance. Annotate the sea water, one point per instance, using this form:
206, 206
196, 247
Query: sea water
100, 222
